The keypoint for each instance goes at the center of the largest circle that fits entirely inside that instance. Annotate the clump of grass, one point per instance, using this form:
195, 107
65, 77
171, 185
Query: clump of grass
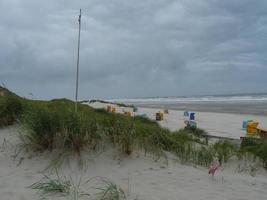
203, 156
10, 109
50, 186
224, 150
126, 140
110, 191
144, 120
96, 188
256, 147
190, 149
42, 125
197, 132
60, 128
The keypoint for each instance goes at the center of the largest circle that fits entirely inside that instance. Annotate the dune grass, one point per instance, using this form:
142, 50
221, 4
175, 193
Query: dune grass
224, 150
110, 191
256, 147
49, 186
53, 125
10, 108
95, 188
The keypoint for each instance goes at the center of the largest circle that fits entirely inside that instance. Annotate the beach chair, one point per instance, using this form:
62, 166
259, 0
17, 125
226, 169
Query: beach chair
166, 111
190, 124
245, 123
252, 128
109, 108
135, 109
127, 113
113, 110
189, 115
159, 116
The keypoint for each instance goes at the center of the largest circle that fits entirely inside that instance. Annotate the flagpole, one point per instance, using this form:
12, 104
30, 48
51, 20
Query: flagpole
78, 60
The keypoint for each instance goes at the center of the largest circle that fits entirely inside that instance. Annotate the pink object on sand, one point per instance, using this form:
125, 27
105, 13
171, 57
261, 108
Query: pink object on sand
213, 168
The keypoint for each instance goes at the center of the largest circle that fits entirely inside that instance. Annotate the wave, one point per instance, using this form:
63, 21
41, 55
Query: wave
228, 98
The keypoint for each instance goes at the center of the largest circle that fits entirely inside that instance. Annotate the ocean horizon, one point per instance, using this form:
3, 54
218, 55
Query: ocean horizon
255, 104
249, 97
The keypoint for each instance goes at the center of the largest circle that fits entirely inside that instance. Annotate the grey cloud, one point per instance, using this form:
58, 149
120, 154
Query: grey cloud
133, 48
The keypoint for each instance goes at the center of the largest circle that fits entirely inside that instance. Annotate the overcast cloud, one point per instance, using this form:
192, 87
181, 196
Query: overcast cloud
133, 48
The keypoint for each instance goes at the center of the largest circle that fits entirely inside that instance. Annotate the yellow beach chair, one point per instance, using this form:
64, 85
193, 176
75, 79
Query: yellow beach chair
127, 113
159, 116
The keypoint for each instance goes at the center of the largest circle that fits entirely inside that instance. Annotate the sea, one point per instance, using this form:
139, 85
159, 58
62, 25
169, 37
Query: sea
237, 103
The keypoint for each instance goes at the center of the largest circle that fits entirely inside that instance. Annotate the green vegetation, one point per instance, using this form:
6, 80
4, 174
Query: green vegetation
224, 150
49, 186
53, 125
10, 107
97, 188
110, 191
256, 147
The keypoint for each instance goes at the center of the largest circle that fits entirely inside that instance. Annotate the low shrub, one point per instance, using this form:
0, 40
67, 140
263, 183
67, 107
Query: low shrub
48, 128
110, 191
203, 156
224, 150
256, 147
10, 109
47, 186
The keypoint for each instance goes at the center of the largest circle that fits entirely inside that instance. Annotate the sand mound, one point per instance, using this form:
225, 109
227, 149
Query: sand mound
139, 176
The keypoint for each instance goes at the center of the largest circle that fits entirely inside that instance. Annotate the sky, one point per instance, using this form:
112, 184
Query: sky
133, 48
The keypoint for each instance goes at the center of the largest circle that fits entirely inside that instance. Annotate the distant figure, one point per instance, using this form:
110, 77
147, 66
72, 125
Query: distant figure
213, 168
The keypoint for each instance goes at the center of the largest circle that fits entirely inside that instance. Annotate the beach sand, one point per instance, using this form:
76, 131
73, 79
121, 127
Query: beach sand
216, 124
141, 177
234, 107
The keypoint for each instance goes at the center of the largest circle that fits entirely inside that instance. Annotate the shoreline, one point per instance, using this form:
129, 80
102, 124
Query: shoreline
259, 109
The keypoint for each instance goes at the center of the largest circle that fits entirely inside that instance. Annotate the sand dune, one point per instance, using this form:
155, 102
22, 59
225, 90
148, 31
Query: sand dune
140, 176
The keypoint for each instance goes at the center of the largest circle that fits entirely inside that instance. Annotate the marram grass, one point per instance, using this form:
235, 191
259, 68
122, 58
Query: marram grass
50, 125
49, 186
109, 191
